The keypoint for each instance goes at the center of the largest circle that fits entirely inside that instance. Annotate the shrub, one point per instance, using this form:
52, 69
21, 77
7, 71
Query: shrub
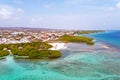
3, 53
79, 39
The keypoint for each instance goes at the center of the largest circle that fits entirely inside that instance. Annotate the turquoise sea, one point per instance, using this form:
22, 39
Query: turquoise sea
79, 62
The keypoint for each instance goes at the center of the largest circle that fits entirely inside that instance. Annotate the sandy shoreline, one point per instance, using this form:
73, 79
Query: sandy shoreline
61, 46
58, 46
82, 47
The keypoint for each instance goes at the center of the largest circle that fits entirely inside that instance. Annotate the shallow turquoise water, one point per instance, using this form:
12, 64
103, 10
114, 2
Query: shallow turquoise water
95, 63
78, 66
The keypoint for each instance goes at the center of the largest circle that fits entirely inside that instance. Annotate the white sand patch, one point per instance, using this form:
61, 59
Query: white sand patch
106, 47
58, 46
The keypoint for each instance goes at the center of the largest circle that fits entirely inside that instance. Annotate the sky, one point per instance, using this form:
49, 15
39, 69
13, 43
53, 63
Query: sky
61, 14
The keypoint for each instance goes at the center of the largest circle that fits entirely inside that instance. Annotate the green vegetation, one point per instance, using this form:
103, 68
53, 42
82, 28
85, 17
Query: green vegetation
3, 53
78, 39
34, 50
39, 50
88, 31
35, 45
44, 54
37, 54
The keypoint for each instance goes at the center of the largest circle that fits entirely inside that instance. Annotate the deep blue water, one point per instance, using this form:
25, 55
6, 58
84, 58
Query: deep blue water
110, 37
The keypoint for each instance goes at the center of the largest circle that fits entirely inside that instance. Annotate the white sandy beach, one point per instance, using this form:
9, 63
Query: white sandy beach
58, 46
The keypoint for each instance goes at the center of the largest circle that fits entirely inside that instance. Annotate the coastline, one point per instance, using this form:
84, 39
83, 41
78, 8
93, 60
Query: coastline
63, 46
77, 59
111, 42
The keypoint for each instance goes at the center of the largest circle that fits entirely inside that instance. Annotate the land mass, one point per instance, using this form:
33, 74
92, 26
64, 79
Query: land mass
23, 43
39, 50
76, 39
32, 50
88, 31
